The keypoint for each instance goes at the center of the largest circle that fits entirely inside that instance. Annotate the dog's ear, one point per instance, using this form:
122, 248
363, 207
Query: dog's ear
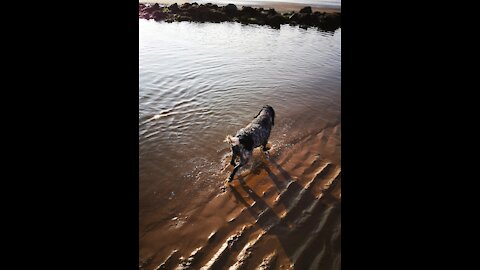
232, 140
273, 117
247, 142
258, 113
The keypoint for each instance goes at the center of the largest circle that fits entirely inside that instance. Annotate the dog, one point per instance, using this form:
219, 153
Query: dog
253, 135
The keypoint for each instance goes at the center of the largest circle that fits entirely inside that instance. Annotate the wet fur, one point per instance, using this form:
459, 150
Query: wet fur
255, 134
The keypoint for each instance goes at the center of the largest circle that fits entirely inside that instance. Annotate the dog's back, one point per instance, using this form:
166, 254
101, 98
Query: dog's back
253, 135
259, 129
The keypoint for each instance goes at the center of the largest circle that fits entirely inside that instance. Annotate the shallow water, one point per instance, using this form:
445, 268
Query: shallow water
200, 82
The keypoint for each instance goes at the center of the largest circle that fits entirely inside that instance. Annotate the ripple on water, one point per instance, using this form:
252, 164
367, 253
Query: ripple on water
200, 82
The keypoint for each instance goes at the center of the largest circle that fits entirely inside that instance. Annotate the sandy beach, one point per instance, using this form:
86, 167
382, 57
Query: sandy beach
283, 213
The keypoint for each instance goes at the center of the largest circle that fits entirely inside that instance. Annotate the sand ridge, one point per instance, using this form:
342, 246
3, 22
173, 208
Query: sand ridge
282, 212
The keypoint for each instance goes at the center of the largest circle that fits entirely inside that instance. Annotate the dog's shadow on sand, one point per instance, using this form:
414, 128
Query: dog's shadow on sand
263, 214
288, 231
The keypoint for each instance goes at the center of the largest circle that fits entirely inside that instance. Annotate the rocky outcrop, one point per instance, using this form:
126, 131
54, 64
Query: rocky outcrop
307, 10
247, 15
230, 9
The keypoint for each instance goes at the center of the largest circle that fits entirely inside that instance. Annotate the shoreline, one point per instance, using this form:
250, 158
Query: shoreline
278, 6
304, 17
269, 205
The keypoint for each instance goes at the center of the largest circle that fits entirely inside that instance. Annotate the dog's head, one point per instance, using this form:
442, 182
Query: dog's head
240, 143
232, 140
269, 110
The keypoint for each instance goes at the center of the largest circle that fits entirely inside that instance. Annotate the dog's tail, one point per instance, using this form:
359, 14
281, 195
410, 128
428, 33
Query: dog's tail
232, 140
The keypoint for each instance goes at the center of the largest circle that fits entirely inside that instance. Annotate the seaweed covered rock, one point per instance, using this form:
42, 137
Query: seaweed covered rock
185, 5
203, 13
158, 15
174, 8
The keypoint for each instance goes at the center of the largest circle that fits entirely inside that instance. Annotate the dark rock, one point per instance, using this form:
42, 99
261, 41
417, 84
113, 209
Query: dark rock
216, 16
249, 11
308, 19
185, 6
204, 14
330, 21
294, 17
151, 9
211, 6
242, 19
258, 21
158, 15
271, 12
251, 20
230, 9
174, 8
307, 10
247, 15
276, 20
145, 15
182, 18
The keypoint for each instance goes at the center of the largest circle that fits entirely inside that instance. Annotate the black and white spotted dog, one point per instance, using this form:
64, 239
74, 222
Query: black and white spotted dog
253, 135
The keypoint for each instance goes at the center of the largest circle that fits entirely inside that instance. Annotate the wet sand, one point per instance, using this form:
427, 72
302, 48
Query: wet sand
278, 6
201, 82
280, 212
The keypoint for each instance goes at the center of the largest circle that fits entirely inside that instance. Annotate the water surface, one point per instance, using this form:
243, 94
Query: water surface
200, 82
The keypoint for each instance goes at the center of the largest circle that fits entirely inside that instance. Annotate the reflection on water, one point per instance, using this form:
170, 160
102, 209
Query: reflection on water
200, 82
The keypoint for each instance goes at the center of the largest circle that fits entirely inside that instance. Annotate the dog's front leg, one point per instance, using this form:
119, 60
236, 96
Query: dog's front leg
243, 160
264, 147
234, 156
230, 178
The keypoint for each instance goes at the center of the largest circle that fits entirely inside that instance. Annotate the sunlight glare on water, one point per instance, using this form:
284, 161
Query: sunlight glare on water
200, 82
